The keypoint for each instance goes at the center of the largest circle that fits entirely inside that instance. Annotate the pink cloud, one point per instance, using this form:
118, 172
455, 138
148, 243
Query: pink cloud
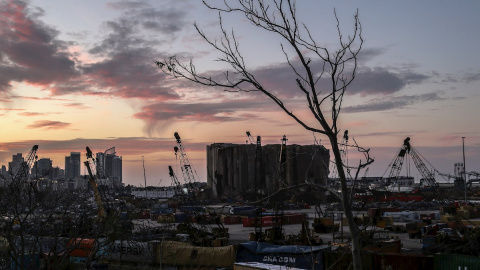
47, 124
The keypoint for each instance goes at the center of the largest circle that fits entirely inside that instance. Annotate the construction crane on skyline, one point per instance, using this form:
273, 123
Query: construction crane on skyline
249, 138
397, 164
94, 184
190, 176
177, 187
21, 174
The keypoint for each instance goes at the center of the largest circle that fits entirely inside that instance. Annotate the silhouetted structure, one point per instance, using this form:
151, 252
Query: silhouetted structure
235, 170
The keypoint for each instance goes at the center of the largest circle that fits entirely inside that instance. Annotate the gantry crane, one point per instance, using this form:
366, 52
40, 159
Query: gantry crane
190, 176
405, 150
21, 175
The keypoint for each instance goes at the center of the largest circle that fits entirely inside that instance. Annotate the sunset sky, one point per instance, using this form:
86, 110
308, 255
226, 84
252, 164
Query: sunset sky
82, 73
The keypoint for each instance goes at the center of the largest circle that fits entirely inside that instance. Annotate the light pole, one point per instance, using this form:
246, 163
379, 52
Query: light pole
464, 171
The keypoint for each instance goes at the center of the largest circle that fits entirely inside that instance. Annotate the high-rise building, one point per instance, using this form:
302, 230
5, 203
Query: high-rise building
42, 168
15, 164
100, 165
117, 171
72, 165
113, 168
3, 177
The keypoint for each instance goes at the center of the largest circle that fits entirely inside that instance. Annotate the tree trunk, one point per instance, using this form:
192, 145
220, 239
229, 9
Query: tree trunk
347, 206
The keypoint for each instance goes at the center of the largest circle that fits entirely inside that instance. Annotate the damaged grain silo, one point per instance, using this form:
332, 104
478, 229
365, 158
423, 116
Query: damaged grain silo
253, 171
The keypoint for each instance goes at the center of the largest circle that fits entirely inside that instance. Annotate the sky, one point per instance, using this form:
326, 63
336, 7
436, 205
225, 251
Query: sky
82, 73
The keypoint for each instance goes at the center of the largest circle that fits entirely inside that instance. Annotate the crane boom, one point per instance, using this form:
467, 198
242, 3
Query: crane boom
398, 162
189, 174
405, 150
427, 175
22, 172
176, 184
93, 183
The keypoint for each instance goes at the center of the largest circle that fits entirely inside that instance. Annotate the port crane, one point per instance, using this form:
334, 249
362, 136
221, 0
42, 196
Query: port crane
93, 183
397, 164
21, 175
176, 184
190, 176
249, 138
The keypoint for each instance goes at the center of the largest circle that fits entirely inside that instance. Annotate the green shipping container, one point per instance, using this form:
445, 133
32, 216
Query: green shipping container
456, 262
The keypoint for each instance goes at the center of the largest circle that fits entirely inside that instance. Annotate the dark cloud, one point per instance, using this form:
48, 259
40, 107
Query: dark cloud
374, 81
280, 79
127, 32
125, 5
30, 52
472, 77
392, 103
131, 74
229, 110
202, 112
29, 49
47, 124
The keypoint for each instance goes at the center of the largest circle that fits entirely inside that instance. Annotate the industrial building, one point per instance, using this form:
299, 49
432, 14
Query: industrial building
251, 169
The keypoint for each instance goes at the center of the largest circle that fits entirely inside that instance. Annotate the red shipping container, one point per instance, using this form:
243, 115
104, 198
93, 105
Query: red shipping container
266, 221
81, 247
294, 218
228, 220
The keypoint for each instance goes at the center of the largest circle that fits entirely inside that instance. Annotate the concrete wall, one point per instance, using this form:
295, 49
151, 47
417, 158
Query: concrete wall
235, 170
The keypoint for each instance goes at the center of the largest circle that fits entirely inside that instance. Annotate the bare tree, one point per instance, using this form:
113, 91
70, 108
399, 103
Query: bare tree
322, 77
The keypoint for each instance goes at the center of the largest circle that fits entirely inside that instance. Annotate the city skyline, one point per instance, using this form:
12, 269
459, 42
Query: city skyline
83, 74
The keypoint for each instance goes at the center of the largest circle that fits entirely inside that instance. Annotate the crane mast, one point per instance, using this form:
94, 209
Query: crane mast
398, 162
427, 175
21, 175
189, 174
93, 183
176, 184
250, 139
407, 149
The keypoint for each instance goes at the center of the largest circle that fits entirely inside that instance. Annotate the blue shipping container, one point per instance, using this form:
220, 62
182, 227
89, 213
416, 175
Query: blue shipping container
30, 261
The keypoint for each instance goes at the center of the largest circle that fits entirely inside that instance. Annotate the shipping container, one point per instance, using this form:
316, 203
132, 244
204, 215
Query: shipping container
144, 215
244, 210
260, 266
400, 261
303, 257
229, 220
267, 221
129, 251
294, 218
377, 212
180, 217
456, 262
28, 261
81, 247
185, 256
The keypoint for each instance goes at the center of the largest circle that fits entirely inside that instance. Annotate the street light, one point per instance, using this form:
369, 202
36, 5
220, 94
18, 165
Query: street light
464, 171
